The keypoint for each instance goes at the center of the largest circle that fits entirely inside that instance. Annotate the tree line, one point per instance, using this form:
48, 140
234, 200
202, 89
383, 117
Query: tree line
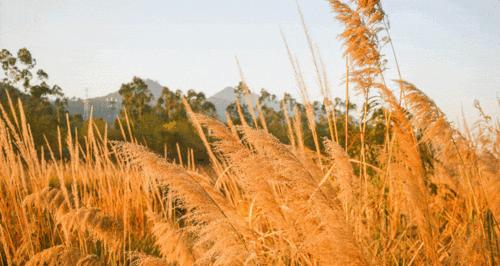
162, 123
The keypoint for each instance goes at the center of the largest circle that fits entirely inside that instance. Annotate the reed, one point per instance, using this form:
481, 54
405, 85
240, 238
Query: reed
430, 198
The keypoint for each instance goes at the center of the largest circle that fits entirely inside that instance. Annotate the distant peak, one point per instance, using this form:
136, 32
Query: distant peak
226, 93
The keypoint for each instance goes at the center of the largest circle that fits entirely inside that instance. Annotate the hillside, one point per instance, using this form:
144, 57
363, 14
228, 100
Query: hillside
108, 106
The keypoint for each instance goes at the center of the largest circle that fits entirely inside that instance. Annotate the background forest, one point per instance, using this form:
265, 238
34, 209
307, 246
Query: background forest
161, 123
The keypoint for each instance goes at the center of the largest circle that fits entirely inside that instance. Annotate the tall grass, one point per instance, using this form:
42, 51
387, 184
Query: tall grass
431, 199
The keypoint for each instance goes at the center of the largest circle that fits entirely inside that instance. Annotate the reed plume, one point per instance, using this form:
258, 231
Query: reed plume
425, 194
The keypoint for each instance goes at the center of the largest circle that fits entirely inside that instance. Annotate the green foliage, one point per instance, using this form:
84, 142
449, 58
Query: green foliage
232, 109
163, 124
166, 124
44, 105
136, 98
276, 122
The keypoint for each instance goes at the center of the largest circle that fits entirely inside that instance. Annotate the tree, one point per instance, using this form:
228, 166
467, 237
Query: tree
44, 105
169, 104
20, 70
232, 109
136, 98
275, 119
176, 128
199, 103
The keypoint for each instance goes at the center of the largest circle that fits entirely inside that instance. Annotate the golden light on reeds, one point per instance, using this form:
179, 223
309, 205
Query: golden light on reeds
431, 199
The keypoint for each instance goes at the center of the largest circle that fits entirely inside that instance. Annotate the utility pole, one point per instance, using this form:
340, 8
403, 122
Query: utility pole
86, 105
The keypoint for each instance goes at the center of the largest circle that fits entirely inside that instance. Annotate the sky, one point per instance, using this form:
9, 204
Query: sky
450, 49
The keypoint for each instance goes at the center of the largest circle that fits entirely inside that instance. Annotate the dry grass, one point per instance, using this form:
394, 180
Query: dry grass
262, 202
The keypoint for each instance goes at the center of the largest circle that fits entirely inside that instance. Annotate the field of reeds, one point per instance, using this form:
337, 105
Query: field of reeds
431, 199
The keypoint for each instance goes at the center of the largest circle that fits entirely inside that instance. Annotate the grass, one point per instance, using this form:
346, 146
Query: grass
431, 199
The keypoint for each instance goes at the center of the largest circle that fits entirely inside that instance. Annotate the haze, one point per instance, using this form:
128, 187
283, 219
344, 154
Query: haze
449, 49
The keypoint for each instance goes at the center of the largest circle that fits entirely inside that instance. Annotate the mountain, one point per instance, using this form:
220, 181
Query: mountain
108, 106
153, 86
224, 98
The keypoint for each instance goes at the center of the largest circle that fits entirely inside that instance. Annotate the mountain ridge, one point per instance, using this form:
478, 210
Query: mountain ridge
108, 106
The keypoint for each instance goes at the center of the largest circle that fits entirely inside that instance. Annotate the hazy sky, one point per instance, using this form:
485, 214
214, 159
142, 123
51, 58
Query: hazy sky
449, 48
